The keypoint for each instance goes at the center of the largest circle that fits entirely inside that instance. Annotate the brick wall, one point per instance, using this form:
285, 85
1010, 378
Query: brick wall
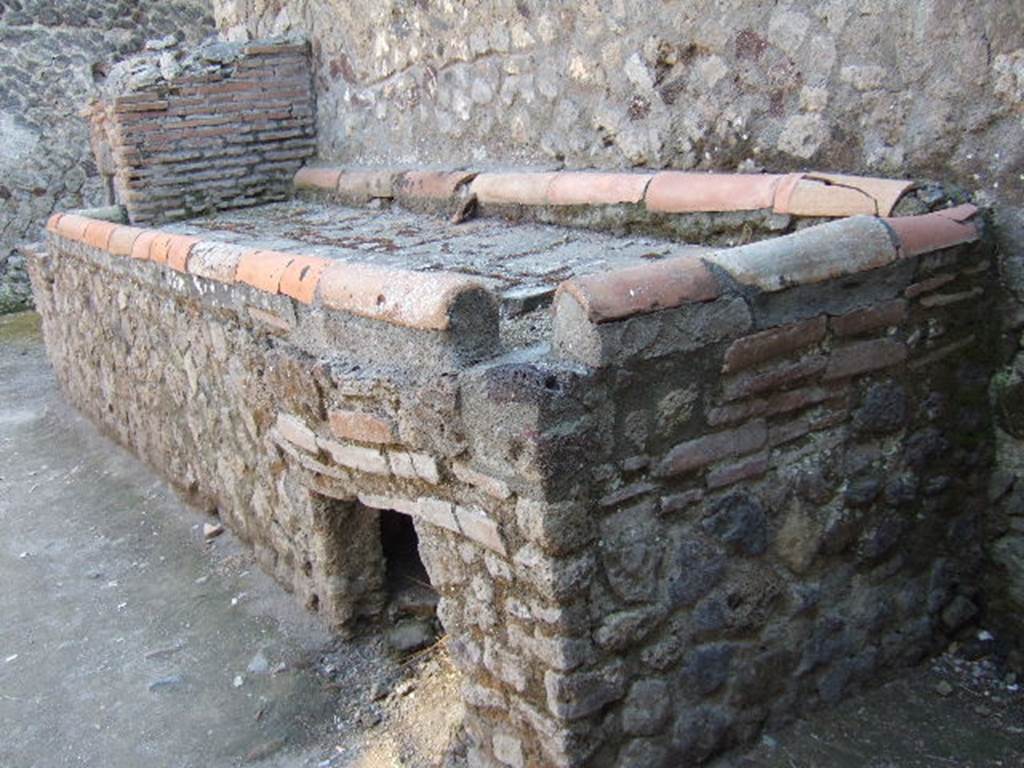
229, 131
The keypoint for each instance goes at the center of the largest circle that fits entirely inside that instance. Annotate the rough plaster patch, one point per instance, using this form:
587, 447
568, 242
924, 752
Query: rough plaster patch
787, 29
803, 136
1009, 78
863, 77
18, 142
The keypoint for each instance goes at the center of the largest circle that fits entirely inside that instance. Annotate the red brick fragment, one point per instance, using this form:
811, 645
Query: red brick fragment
774, 342
776, 377
721, 476
883, 315
702, 451
863, 357
361, 426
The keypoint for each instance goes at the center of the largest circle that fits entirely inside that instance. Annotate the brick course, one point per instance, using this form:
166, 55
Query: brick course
201, 142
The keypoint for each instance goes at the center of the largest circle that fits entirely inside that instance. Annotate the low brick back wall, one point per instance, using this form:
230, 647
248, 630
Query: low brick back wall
229, 130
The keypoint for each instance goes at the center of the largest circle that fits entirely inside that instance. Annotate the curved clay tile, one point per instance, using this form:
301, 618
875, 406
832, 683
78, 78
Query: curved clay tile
934, 231
834, 194
591, 188
663, 284
317, 178
512, 188
682, 192
420, 300
818, 253
431, 185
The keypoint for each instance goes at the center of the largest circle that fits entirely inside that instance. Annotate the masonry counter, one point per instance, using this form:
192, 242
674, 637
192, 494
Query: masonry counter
667, 492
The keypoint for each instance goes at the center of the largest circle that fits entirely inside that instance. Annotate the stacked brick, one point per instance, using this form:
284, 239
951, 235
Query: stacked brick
228, 135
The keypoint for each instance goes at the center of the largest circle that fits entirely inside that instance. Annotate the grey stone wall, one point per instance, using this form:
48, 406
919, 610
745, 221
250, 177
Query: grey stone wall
54, 52
931, 88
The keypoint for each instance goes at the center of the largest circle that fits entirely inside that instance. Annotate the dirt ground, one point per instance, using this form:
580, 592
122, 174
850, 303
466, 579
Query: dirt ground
128, 639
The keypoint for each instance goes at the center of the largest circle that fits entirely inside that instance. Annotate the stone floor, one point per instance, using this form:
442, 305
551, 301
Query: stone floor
127, 639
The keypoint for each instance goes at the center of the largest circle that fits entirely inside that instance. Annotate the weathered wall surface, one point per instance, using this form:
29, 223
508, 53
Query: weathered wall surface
932, 87
924, 89
53, 54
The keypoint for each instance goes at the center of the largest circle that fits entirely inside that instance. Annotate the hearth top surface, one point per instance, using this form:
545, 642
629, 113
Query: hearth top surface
509, 254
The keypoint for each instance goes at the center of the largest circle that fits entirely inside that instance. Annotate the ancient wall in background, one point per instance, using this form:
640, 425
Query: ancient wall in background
53, 55
933, 87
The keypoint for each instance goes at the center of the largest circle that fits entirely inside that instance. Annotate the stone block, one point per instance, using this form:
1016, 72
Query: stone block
579, 694
355, 456
361, 426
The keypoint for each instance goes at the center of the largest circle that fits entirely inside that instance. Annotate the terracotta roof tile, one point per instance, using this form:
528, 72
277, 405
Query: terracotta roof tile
512, 188
122, 240
431, 185
72, 226
636, 290
833, 194
822, 252
216, 261
141, 246
421, 300
583, 188
178, 252
317, 178
934, 231
301, 277
97, 233
680, 192
367, 184
263, 269
160, 248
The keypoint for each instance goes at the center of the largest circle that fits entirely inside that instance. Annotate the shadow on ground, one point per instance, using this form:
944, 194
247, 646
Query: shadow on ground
126, 639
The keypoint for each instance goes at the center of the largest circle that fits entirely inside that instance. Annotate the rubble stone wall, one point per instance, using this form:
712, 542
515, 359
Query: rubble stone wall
786, 498
54, 55
230, 130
